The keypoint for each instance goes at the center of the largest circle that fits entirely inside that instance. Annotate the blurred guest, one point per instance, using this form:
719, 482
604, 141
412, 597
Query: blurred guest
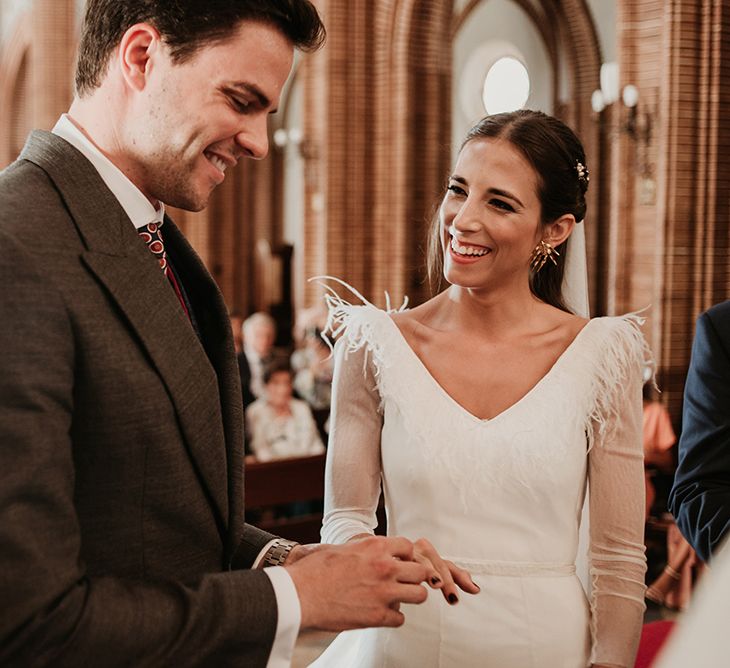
237, 329
279, 425
308, 318
259, 334
673, 588
700, 498
313, 369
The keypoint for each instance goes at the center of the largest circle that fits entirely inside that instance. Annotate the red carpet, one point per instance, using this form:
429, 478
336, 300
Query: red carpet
653, 637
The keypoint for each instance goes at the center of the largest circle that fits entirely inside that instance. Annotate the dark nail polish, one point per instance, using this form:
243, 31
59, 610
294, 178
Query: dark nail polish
435, 581
453, 599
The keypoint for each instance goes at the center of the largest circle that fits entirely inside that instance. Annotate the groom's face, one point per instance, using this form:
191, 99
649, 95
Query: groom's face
196, 119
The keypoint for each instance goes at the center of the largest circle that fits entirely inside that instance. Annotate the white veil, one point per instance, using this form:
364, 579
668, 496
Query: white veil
575, 296
575, 277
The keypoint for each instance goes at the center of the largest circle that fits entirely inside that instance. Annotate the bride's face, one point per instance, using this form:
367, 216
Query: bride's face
490, 216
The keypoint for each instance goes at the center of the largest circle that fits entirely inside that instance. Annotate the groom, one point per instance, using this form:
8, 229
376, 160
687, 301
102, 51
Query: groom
122, 539
700, 497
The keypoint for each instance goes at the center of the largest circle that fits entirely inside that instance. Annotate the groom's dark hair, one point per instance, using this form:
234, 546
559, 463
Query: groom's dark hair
186, 26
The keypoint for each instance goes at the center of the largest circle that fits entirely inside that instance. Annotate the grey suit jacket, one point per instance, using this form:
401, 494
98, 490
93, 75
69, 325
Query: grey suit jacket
122, 537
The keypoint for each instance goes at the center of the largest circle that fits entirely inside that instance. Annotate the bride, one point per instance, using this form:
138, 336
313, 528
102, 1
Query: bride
485, 412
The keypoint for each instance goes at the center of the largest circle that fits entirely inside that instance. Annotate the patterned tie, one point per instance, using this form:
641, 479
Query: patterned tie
152, 235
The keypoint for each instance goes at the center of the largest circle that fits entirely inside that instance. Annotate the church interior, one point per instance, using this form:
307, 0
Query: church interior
365, 133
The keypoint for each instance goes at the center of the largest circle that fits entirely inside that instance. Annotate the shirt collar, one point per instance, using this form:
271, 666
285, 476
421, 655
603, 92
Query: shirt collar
137, 207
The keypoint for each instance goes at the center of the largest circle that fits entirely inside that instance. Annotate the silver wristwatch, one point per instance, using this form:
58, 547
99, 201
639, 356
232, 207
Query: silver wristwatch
277, 554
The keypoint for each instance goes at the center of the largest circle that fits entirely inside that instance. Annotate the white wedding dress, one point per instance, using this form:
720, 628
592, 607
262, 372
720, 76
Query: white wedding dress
500, 497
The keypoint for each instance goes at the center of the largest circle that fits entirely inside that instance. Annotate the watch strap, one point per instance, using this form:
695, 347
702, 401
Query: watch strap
278, 553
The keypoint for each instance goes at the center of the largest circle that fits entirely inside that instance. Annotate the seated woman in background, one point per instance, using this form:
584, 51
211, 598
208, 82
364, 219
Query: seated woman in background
673, 587
278, 425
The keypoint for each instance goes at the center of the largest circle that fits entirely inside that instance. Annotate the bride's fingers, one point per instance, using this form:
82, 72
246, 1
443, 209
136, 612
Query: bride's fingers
463, 579
433, 579
442, 568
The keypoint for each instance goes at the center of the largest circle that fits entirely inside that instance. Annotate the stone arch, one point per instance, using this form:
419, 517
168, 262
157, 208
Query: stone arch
543, 27
569, 35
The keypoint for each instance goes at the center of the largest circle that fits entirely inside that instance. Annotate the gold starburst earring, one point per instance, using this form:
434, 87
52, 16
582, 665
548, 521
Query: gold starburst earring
542, 253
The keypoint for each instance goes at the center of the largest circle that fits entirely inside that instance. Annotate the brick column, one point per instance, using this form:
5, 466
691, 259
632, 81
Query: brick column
672, 196
376, 116
51, 60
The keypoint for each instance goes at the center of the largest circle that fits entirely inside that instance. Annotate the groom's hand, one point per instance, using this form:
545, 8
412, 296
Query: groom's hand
356, 585
302, 550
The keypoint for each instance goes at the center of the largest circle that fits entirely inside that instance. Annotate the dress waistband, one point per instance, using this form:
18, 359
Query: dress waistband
514, 568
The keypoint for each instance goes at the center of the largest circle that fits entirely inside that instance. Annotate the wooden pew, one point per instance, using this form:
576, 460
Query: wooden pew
282, 481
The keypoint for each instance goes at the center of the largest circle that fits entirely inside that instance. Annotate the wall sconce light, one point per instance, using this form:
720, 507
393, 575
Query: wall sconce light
637, 126
631, 121
283, 137
608, 92
293, 137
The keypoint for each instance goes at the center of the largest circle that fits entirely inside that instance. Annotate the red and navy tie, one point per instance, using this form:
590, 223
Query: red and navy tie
152, 235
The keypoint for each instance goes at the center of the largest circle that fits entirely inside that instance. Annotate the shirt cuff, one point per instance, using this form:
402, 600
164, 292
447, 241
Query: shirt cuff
262, 554
289, 617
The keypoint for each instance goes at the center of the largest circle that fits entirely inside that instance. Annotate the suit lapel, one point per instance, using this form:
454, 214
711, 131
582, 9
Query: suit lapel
119, 259
213, 320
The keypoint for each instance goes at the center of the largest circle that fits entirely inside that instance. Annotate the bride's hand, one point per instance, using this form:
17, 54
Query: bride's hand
443, 574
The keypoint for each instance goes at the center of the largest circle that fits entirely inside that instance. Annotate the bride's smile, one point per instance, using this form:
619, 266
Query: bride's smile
462, 251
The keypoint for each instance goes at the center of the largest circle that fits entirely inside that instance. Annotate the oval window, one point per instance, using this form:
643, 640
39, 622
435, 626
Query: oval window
506, 86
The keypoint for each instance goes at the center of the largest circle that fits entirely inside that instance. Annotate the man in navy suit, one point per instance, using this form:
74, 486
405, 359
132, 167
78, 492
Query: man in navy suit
700, 498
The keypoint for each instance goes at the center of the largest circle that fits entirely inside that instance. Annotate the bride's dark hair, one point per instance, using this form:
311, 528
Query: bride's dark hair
555, 152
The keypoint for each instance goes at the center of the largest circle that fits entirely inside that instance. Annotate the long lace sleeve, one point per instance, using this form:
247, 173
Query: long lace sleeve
616, 483
352, 479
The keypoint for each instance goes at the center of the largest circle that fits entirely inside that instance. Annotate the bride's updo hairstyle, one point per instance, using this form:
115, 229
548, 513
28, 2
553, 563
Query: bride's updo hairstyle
556, 154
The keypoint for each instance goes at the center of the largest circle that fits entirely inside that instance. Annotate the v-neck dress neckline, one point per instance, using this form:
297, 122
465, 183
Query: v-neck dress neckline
418, 362
501, 498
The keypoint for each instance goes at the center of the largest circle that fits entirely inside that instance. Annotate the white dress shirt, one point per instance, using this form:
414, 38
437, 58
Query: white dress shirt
141, 213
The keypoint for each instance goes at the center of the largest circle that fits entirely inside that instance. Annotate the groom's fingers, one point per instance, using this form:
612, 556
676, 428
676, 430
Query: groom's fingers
409, 593
393, 618
400, 548
411, 572
358, 585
